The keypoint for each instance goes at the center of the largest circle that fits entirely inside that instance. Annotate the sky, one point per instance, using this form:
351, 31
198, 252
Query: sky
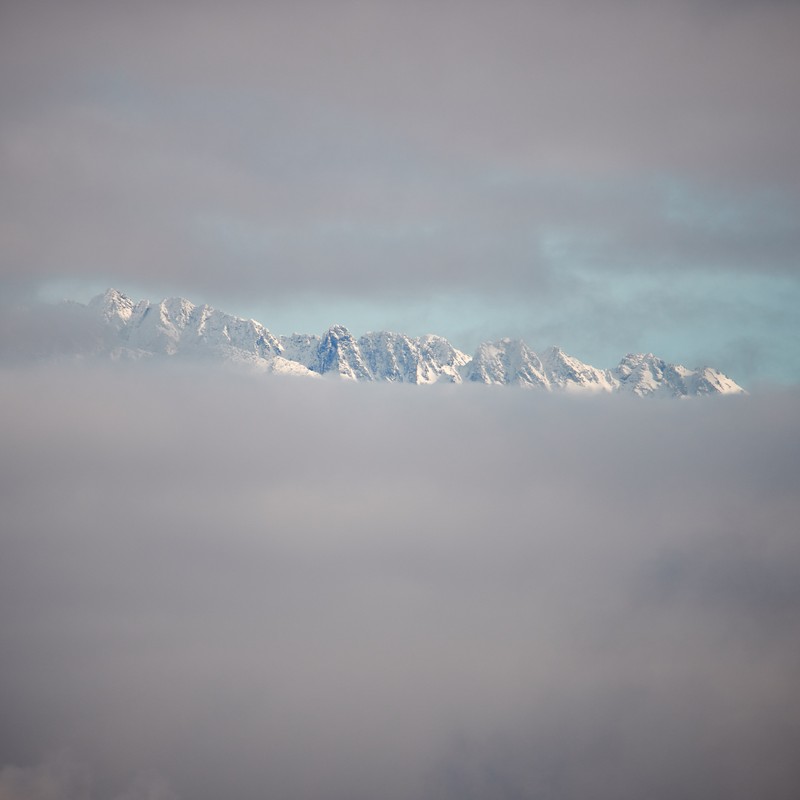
217, 584
318, 590
605, 176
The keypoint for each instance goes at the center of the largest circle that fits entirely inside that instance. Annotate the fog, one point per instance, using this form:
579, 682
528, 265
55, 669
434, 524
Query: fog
216, 585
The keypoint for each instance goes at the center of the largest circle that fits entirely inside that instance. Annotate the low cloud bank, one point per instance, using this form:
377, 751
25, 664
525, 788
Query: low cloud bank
258, 587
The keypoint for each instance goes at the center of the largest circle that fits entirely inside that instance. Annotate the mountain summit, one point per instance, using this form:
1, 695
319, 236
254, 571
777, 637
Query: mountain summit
175, 327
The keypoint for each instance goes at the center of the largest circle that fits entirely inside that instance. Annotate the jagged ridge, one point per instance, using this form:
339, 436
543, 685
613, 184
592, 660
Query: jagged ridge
176, 327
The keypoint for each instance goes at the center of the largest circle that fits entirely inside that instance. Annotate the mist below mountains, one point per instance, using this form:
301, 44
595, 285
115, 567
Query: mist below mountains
218, 584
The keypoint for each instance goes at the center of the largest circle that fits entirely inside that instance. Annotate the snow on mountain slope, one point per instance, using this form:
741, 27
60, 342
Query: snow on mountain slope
511, 361
391, 357
113, 308
400, 358
507, 361
440, 358
568, 373
708, 380
339, 353
301, 347
644, 374
176, 327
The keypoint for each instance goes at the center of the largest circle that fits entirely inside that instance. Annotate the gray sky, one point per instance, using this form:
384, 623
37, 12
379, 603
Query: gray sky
606, 176
253, 588
217, 585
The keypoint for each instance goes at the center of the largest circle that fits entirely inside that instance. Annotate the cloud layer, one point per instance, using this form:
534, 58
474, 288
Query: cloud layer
252, 588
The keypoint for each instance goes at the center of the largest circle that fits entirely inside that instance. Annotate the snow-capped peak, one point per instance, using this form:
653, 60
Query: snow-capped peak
566, 372
177, 327
339, 353
112, 307
645, 374
507, 361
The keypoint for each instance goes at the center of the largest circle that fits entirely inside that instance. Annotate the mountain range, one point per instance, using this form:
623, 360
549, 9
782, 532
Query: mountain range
177, 328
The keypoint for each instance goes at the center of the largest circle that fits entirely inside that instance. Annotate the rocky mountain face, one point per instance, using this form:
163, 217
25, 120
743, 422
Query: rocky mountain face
176, 327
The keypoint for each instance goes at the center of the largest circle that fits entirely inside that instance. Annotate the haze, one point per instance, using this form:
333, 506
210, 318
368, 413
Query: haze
221, 585
217, 585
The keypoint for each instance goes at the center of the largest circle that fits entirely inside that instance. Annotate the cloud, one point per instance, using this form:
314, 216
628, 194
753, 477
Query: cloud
59, 777
266, 588
42, 330
62, 776
342, 146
